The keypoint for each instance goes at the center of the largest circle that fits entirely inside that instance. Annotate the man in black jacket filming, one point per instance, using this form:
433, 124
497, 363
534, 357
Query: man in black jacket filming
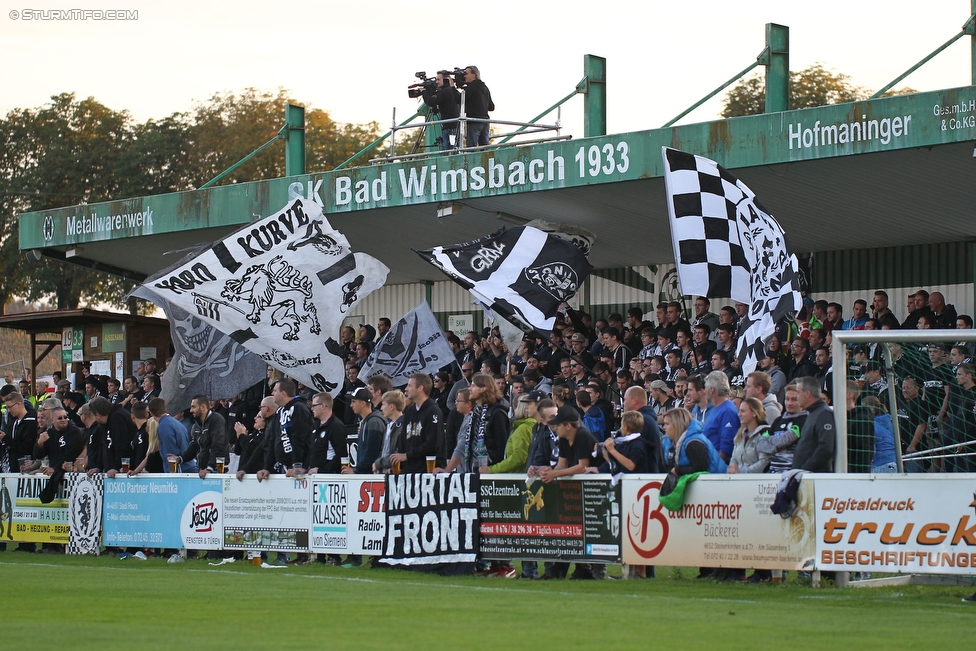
446, 101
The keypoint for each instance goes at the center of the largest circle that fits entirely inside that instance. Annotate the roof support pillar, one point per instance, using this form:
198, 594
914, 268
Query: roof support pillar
294, 140
595, 96
778, 68
972, 40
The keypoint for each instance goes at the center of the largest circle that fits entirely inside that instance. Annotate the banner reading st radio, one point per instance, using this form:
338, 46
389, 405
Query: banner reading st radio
875, 523
725, 522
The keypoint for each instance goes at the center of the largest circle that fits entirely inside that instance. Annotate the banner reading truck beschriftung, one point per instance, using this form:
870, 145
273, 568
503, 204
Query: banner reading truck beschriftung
431, 519
926, 525
725, 522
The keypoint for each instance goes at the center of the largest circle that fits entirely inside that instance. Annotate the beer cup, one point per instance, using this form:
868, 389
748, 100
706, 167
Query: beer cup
173, 462
220, 465
125, 465
431, 462
345, 462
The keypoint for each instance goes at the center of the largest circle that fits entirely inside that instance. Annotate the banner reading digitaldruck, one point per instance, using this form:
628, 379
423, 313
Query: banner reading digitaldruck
925, 525
725, 522
431, 519
569, 519
280, 287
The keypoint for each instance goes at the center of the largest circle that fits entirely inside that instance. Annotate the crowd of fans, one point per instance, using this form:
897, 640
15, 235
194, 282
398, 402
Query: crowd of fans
615, 395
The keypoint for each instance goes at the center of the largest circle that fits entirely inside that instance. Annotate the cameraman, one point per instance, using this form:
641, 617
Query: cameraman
477, 103
445, 100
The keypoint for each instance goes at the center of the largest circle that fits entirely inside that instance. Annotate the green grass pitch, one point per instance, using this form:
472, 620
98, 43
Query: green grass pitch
103, 603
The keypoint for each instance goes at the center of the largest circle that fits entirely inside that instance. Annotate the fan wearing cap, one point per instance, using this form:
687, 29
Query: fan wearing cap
372, 430
577, 447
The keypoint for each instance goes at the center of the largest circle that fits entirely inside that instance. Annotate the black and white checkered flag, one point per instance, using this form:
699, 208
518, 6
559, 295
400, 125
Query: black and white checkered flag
727, 244
521, 273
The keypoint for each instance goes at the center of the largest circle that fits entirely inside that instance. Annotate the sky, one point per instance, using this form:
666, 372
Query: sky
355, 59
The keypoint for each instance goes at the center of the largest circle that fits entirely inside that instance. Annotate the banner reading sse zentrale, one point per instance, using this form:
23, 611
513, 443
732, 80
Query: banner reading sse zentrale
880, 524
569, 519
725, 522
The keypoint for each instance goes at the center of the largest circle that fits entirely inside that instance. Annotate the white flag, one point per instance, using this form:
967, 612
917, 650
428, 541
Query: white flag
280, 287
414, 344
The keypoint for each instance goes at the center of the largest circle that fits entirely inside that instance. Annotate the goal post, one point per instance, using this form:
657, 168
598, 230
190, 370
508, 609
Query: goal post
931, 416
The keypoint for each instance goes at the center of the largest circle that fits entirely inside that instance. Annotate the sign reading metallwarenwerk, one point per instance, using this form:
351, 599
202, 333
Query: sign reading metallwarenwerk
884, 124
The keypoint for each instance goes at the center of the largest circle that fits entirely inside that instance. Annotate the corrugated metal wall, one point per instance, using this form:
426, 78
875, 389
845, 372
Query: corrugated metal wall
839, 276
923, 265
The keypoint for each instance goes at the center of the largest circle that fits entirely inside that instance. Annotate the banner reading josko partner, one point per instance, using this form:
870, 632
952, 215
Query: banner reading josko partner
568, 519
725, 522
431, 519
348, 514
169, 511
24, 518
922, 525
266, 515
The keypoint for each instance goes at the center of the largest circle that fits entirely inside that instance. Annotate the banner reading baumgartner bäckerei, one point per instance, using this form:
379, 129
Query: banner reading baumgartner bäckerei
348, 514
725, 522
431, 519
916, 524
170, 511
268, 515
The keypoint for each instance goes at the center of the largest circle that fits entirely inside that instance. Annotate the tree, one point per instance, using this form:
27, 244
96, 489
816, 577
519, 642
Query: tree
229, 126
812, 86
63, 154
72, 152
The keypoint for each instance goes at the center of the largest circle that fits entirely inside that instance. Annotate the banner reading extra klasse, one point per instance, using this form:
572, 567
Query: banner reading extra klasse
879, 524
348, 514
431, 519
725, 522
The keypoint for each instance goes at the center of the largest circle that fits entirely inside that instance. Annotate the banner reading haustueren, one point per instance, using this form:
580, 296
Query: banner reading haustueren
431, 519
24, 518
921, 525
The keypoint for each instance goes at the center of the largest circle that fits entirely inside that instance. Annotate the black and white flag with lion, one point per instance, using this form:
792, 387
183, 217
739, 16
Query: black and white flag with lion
727, 244
280, 287
521, 273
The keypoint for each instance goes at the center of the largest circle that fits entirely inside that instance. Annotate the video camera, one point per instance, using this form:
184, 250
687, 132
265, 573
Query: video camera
429, 84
